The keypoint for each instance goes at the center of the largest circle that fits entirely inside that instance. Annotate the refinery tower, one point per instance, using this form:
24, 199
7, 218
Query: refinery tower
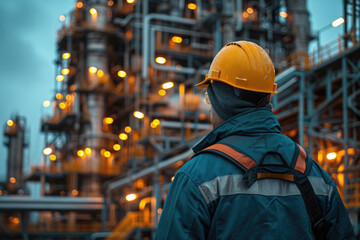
126, 113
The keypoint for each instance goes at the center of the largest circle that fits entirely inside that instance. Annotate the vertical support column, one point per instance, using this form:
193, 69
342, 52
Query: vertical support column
345, 119
310, 109
156, 190
301, 108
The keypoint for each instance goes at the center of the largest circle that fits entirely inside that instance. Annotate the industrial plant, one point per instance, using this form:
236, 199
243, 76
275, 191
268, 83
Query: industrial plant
126, 112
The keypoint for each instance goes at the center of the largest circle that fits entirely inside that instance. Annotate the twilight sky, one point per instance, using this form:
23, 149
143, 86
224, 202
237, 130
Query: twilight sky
27, 53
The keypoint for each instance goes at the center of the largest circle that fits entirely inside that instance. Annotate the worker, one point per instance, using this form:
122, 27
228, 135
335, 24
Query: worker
246, 179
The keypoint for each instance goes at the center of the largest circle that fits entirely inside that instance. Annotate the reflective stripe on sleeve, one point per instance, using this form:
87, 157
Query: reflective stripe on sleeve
234, 184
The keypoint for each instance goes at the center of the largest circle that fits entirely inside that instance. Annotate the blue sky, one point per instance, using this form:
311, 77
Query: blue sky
27, 54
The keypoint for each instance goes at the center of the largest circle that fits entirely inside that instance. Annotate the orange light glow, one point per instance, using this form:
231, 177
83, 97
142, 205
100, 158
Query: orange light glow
59, 96
88, 151
130, 197
116, 147
107, 154
156, 122
93, 11
62, 18
74, 192
72, 88
283, 14
128, 129
62, 105
66, 55
79, 4
167, 85
59, 78
12, 180
162, 92
130, 1
108, 120
65, 71
192, 6
68, 97
52, 157
47, 151
46, 103
202, 116
172, 179
250, 10
159, 211
245, 15
160, 60
138, 115
80, 153
123, 136
110, 3
10, 123
121, 73
153, 125
331, 156
15, 220
92, 70
177, 39
100, 73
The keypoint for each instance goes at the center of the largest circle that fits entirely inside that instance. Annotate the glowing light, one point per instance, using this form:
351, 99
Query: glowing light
107, 154
62, 105
100, 73
46, 103
108, 120
88, 151
80, 153
79, 4
283, 14
156, 121
12, 180
74, 192
59, 96
47, 151
138, 115
15, 220
116, 147
52, 157
93, 11
62, 18
121, 73
68, 97
123, 136
130, 197
245, 15
72, 88
202, 116
331, 156
65, 71
192, 6
160, 60
10, 123
172, 179
168, 85
130, 1
66, 55
92, 70
110, 3
128, 129
162, 92
338, 22
250, 10
177, 39
153, 125
159, 211
59, 78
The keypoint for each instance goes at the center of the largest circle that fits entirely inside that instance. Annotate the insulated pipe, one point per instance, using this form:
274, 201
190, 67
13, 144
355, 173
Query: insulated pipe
146, 27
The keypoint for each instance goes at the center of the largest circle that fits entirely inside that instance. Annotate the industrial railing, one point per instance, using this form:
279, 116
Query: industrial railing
306, 61
128, 223
352, 196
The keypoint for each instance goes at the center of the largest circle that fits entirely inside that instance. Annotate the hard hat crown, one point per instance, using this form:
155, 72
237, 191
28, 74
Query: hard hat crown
243, 65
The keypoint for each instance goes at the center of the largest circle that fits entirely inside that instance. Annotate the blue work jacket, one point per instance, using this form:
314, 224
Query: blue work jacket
209, 200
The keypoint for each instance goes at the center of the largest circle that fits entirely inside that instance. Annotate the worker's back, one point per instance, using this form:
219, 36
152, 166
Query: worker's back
209, 198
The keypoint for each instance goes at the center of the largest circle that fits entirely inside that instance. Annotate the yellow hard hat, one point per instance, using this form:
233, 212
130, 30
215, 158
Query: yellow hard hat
243, 65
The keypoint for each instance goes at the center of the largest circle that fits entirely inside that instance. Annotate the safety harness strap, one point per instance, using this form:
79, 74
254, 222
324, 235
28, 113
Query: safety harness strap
254, 172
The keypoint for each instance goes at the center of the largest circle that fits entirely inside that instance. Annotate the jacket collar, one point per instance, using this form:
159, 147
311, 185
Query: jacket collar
250, 121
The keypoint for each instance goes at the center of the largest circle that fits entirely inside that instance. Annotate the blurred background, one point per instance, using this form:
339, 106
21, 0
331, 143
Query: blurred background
99, 109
